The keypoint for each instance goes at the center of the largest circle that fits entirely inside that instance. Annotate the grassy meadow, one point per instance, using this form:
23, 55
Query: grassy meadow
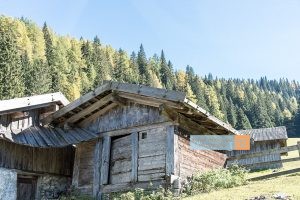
287, 184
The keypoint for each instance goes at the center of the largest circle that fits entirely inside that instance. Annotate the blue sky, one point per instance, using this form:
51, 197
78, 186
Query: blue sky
246, 39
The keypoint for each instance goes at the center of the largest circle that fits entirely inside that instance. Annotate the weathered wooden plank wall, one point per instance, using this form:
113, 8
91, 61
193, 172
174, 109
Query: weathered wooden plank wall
84, 166
126, 116
120, 161
190, 161
152, 155
22, 120
55, 160
263, 160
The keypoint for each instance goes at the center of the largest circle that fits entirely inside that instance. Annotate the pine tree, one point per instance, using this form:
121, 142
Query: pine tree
242, 120
166, 72
10, 63
51, 58
142, 65
100, 61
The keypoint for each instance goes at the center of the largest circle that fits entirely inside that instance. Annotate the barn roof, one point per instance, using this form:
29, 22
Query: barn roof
37, 136
75, 116
264, 134
17, 104
95, 103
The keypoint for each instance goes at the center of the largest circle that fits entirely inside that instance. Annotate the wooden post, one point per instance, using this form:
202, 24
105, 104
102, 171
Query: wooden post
97, 167
76, 166
170, 151
105, 160
298, 143
134, 156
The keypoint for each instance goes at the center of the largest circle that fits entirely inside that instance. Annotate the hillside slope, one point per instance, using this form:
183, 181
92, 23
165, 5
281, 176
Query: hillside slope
35, 60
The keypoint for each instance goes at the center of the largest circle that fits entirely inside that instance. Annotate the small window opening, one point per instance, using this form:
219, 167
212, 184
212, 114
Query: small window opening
144, 135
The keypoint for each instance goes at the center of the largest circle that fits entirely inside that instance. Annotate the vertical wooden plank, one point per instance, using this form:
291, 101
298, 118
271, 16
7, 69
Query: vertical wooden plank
134, 156
170, 151
298, 143
97, 167
76, 167
176, 152
105, 160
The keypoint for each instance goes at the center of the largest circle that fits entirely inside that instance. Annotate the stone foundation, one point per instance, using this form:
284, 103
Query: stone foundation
52, 187
8, 184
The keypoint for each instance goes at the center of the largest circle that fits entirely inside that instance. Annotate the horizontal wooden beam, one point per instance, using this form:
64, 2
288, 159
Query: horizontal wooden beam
89, 109
122, 187
86, 121
38, 101
150, 101
129, 130
187, 123
267, 152
85, 98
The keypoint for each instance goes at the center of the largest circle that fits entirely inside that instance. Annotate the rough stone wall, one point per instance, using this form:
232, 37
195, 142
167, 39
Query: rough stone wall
51, 187
8, 184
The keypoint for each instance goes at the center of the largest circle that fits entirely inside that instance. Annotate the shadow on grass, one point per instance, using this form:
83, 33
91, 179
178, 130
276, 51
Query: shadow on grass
292, 172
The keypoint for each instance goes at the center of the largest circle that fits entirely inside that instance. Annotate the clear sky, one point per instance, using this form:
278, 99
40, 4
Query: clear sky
242, 38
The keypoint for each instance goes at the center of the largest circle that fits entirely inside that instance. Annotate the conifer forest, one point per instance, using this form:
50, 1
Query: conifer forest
36, 60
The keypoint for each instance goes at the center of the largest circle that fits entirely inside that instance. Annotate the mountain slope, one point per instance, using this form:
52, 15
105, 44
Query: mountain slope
35, 60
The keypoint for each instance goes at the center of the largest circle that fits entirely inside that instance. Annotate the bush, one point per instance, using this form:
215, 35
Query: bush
74, 194
141, 194
215, 179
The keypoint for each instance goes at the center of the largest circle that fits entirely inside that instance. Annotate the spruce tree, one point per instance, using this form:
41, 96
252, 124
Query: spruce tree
242, 120
142, 65
12, 84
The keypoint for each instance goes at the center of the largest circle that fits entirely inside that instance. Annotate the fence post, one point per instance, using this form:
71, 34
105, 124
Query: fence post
298, 143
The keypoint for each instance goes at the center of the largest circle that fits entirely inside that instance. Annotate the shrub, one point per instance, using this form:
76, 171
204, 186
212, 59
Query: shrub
141, 194
215, 179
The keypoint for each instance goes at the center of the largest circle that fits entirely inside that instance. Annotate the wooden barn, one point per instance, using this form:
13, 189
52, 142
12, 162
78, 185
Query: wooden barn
117, 137
262, 139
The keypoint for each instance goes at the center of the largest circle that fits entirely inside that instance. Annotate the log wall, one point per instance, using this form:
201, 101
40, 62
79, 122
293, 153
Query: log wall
189, 162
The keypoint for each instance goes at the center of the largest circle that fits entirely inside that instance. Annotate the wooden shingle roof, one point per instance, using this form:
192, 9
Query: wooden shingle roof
264, 134
37, 136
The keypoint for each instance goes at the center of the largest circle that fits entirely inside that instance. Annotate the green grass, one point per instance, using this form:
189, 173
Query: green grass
288, 184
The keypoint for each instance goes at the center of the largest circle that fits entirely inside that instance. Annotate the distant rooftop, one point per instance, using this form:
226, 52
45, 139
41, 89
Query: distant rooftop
17, 104
263, 134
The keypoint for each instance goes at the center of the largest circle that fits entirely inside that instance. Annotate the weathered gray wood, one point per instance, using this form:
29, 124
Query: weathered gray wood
97, 167
33, 102
170, 151
271, 151
150, 101
129, 186
75, 176
134, 156
152, 162
126, 131
89, 109
57, 161
210, 117
298, 143
105, 160
97, 114
76, 103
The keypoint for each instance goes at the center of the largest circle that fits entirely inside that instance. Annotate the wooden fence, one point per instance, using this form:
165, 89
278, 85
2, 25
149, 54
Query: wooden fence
268, 152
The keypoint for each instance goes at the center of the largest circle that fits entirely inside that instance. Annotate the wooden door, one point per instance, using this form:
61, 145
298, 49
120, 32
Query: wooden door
26, 188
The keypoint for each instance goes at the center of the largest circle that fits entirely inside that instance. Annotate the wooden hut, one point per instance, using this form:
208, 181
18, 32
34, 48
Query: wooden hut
263, 139
126, 136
